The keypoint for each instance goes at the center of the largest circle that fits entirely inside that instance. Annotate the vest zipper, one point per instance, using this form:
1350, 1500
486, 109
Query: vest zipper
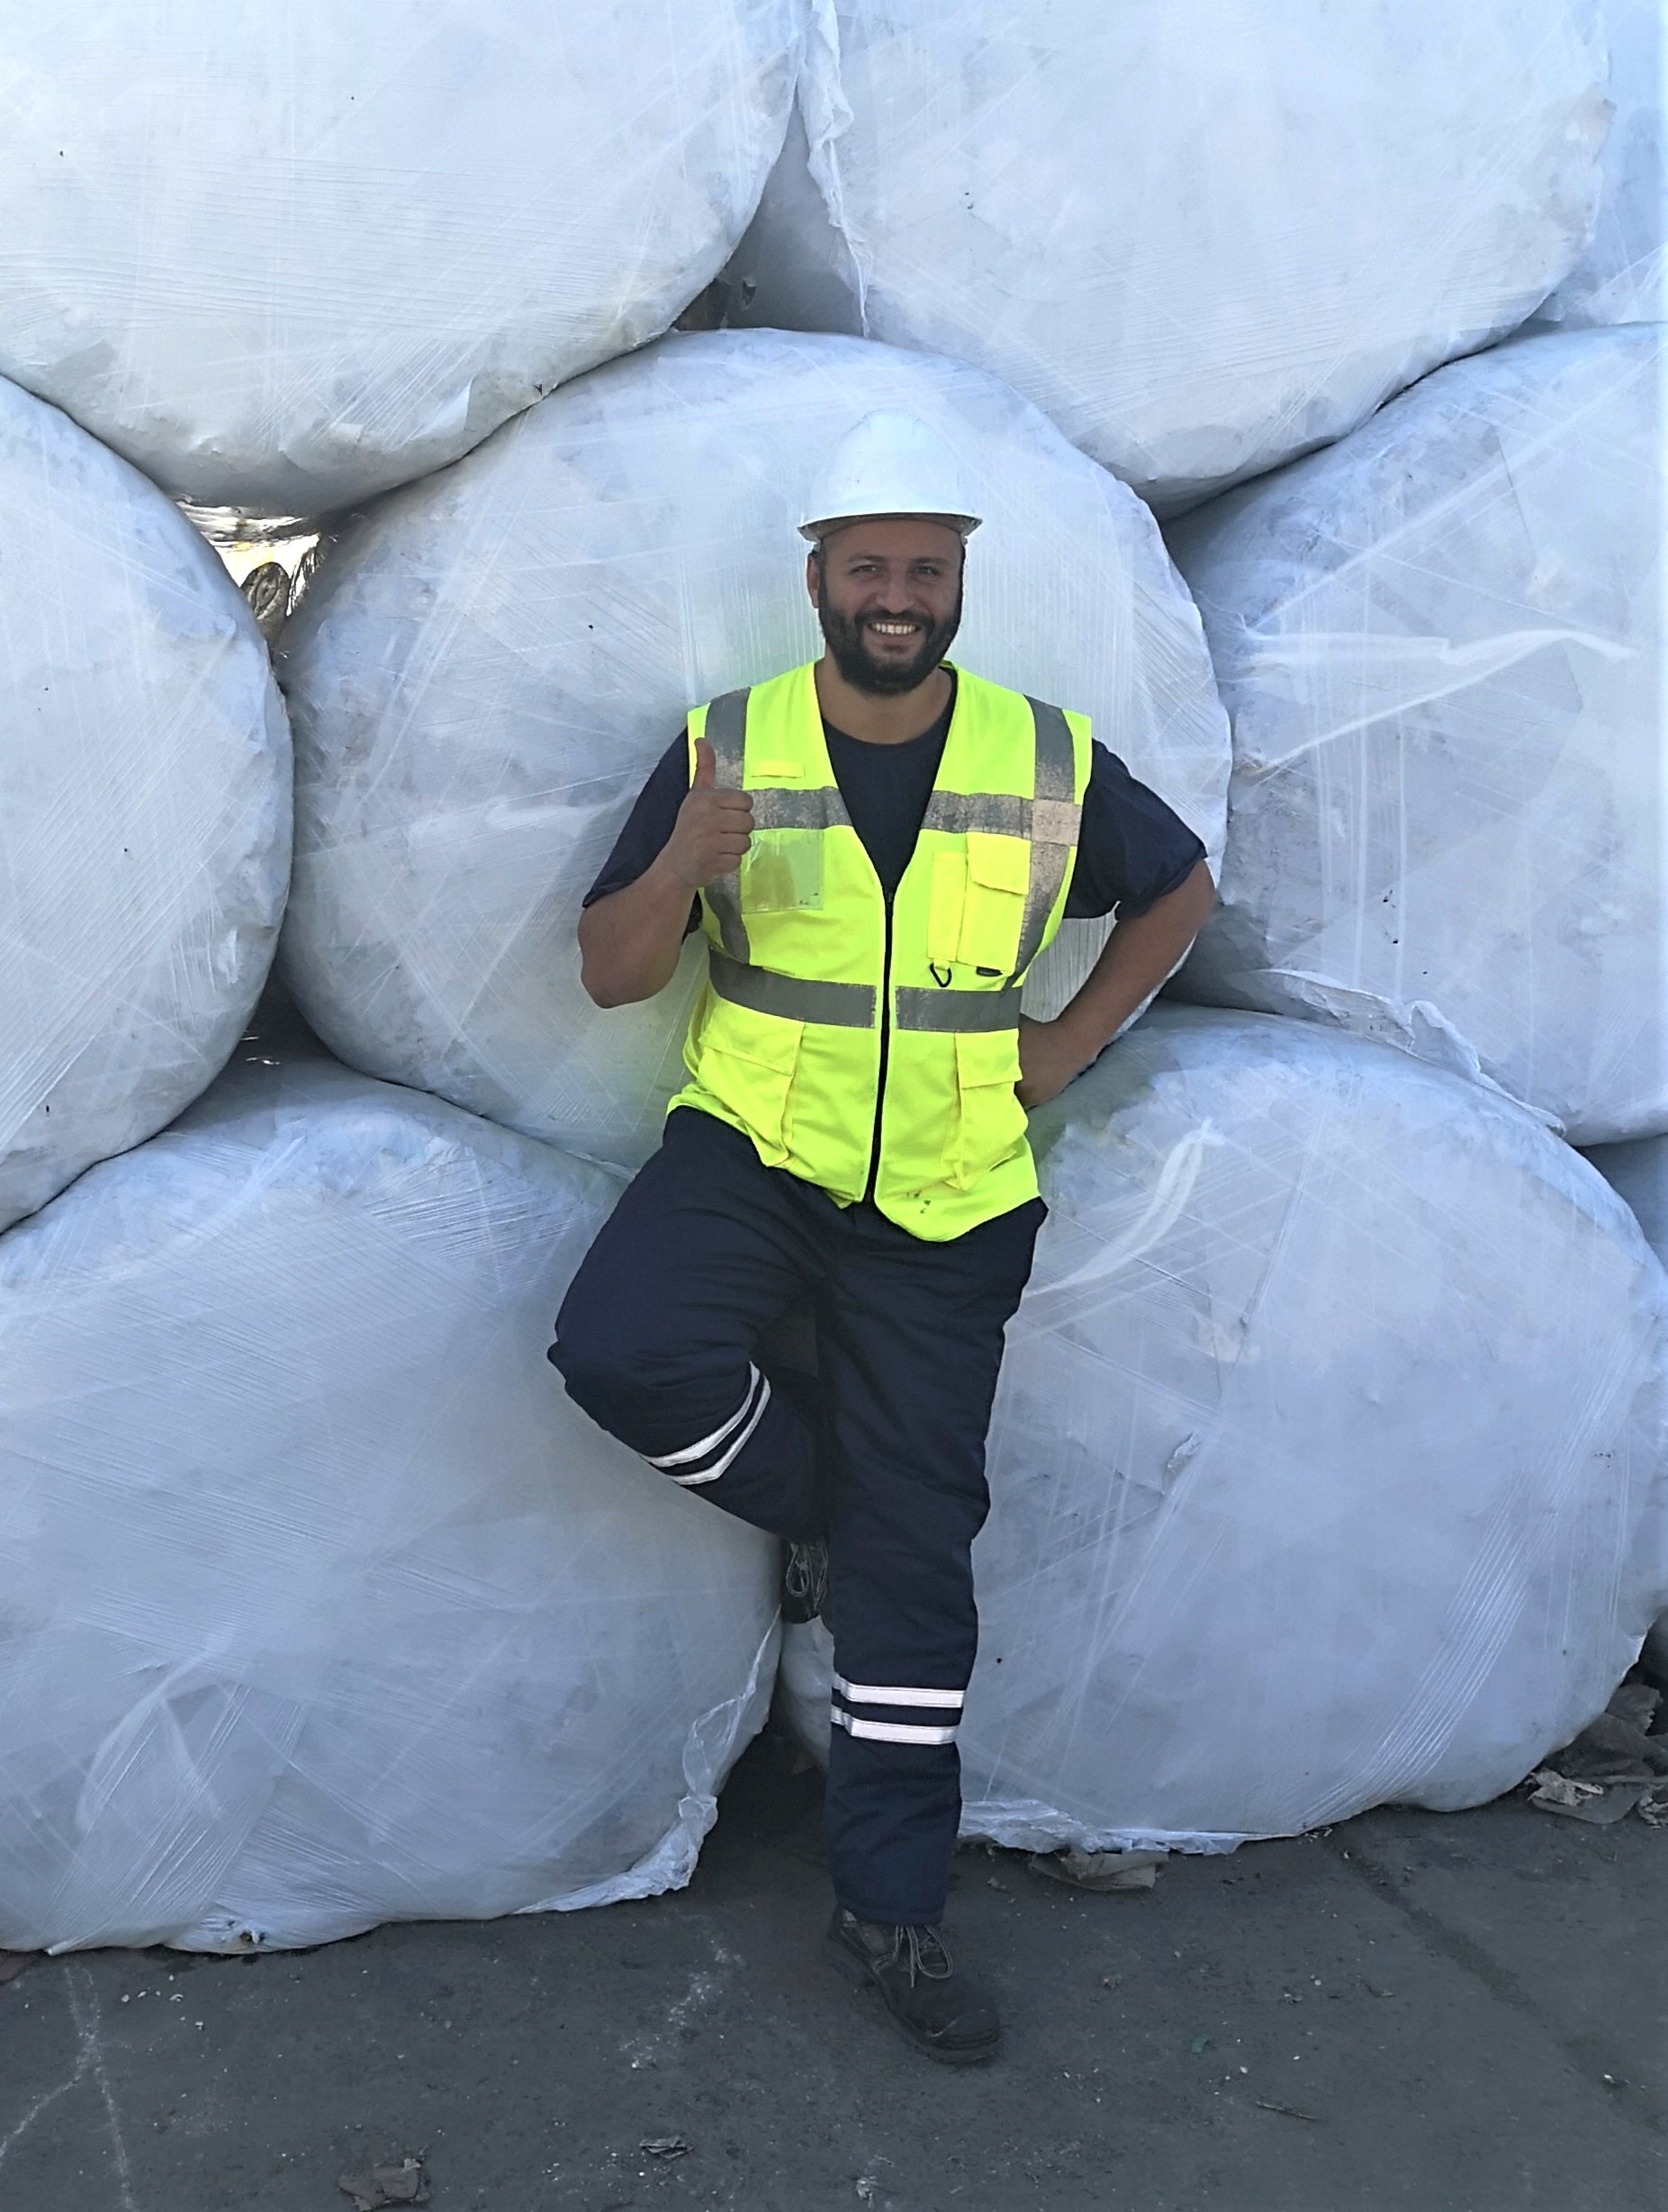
885, 1041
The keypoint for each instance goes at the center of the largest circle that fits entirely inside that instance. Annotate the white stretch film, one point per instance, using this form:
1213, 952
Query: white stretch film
287, 256
320, 1605
489, 665
1326, 1463
144, 806
1440, 643
1623, 275
1203, 239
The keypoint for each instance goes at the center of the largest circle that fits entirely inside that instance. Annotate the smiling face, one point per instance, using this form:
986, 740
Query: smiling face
887, 593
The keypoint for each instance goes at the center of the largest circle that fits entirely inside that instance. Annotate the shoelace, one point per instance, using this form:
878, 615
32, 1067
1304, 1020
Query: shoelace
922, 1952
806, 1576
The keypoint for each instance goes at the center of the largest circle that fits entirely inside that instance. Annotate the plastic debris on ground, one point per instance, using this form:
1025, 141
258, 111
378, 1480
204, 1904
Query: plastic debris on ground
1327, 1460
1440, 643
144, 807
1614, 1767
285, 257
376, 1624
1203, 239
379, 2186
489, 665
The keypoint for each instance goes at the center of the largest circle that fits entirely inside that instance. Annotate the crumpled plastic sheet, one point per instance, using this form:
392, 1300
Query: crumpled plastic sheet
1440, 645
282, 257
145, 806
1204, 239
489, 664
1328, 1460
1623, 275
320, 1605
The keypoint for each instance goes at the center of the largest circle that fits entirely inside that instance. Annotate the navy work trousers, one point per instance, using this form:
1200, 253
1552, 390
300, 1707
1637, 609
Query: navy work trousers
658, 1340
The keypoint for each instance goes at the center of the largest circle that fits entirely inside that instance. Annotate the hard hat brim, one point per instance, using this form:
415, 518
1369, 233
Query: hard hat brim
815, 532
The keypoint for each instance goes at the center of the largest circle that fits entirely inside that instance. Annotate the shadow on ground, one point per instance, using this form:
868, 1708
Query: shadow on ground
1414, 2013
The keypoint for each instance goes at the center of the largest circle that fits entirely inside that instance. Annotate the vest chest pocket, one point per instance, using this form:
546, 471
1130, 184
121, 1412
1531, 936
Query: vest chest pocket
783, 872
998, 876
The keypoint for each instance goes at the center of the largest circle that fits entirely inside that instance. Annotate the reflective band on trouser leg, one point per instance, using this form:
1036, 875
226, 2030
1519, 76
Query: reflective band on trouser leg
882, 1713
705, 1461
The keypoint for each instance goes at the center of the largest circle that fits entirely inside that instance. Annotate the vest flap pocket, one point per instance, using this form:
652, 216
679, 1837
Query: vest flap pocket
748, 1062
998, 863
998, 874
986, 1056
990, 1122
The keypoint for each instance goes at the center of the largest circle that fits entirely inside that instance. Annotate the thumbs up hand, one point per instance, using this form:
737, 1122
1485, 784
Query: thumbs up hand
714, 827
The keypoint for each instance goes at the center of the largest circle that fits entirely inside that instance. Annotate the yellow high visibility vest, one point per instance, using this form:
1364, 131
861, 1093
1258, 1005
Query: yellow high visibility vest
875, 1051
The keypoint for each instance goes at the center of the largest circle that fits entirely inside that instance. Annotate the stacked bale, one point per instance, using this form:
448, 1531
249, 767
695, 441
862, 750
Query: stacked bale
1328, 1458
322, 1607
285, 257
1440, 645
144, 807
1203, 239
490, 663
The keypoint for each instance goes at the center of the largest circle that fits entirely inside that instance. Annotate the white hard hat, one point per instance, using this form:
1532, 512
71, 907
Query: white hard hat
891, 463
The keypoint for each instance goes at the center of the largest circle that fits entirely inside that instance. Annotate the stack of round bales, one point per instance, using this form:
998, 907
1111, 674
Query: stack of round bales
1440, 645
1329, 1460
322, 1607
1204, 239
490, 663
1326, 1463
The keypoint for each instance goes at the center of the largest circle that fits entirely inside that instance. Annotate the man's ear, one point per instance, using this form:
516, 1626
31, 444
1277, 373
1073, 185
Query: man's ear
812, 579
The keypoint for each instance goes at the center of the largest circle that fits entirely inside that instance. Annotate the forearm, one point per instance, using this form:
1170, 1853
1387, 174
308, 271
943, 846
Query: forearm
1134, 961
630, 942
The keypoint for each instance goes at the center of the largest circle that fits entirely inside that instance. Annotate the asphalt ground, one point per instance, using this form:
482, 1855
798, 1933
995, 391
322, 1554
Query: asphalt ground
1413, 2012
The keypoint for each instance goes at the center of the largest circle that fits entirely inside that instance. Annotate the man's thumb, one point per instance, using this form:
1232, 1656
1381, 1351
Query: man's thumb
705, 766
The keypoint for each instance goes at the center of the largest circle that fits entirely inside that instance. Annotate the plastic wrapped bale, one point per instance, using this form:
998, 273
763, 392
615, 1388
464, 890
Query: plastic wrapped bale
320, 1605
1203, 239
1327, 1459
283, 257
490, 663
1440, 643
1623, 275
144, 807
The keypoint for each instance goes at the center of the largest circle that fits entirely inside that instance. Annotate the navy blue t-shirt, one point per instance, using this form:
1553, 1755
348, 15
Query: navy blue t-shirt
1132, 847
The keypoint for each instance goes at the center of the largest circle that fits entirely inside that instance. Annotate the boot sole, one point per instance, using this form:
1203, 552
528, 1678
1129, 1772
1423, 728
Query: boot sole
946, 2054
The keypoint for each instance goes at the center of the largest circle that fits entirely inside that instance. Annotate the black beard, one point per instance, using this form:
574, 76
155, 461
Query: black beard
852, 657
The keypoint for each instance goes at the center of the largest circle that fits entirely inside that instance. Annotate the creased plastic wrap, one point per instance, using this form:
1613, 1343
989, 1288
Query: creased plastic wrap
1327, 1462
489, 665
1623, 275
144, 806
320, 1605
285, 256
1204, 239
1440, 645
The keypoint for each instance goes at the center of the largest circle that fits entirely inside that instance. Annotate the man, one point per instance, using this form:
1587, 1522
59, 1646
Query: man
877, 847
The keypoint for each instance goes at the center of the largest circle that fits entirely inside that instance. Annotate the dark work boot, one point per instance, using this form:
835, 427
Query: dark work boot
942, 2011
804, 1582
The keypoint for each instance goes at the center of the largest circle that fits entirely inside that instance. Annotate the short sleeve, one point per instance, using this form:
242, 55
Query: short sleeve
1132, 848
649, 824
